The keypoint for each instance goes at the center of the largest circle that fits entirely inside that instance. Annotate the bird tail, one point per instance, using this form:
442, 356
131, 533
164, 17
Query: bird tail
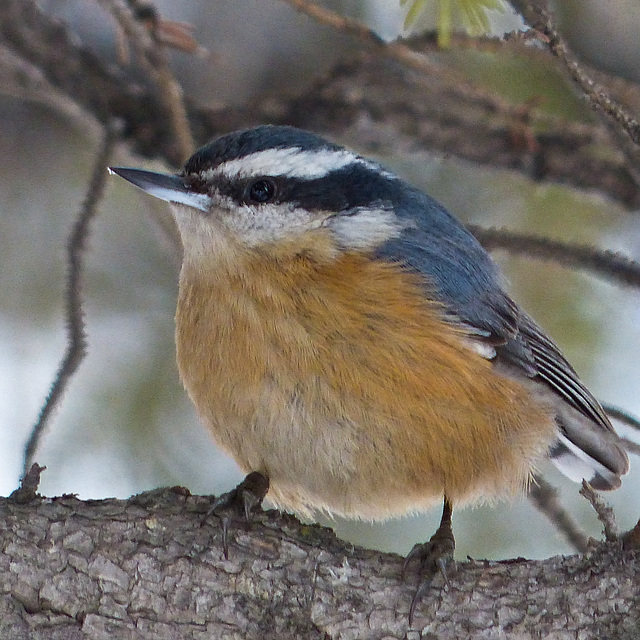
586, 450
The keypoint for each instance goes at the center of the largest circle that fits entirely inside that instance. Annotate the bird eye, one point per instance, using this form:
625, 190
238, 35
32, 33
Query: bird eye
260, 191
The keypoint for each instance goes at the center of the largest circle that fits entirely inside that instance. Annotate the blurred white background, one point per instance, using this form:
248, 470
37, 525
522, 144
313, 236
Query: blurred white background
125, 424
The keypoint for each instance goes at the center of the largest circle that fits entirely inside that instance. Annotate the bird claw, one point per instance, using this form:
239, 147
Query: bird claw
246, 498
435, 557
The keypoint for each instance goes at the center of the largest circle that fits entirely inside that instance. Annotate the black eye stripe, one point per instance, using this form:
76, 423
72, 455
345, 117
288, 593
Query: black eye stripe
354, 186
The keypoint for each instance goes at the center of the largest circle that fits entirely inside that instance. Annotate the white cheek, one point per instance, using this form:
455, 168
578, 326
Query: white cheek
231, 225
366, 229
269, 223
201, 237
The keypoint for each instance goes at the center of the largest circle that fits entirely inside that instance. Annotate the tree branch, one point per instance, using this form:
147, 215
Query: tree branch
149, 567
400, 51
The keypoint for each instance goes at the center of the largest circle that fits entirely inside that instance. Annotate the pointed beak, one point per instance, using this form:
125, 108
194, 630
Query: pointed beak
170, 188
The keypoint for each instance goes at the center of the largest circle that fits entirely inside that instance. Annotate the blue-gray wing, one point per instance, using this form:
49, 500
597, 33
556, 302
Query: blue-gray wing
466, 280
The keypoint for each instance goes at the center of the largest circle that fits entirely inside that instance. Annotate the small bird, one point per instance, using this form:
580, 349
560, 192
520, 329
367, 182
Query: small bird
341, 334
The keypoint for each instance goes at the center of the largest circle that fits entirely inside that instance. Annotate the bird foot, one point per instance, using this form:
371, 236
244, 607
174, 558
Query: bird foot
434, 557
245, 499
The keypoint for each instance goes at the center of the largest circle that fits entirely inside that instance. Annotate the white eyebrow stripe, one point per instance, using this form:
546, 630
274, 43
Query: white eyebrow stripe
288, 163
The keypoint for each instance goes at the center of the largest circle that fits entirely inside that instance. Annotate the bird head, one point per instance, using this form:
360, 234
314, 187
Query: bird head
274, 187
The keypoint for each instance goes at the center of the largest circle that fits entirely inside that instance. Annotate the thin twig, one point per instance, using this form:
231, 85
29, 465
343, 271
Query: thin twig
620, 414
153, 57
609, 264
604, 511
76, 335
341, 23
538, 16
631, 445
545, 498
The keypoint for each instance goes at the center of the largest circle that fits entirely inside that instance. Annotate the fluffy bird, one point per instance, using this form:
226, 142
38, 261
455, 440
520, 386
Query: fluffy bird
344, 336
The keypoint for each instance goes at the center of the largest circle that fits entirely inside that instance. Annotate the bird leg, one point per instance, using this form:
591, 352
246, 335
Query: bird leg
243, 500
434, 556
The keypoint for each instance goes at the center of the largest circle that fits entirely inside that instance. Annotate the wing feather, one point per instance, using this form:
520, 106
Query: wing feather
461, 274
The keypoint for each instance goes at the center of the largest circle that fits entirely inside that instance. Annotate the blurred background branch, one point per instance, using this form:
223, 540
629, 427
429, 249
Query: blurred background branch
616, 267
377, 98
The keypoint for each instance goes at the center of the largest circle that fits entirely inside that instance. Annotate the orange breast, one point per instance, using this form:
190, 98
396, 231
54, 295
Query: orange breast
340, 381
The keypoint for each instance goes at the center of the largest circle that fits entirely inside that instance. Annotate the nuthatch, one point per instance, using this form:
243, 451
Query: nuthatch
343, 335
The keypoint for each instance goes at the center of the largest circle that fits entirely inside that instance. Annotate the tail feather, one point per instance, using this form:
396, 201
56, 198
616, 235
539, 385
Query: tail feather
577, 465
586, 451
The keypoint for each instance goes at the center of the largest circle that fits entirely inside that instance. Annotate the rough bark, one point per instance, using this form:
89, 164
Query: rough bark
152, 567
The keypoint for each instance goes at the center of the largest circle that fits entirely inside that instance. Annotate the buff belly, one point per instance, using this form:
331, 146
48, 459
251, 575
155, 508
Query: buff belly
346, 387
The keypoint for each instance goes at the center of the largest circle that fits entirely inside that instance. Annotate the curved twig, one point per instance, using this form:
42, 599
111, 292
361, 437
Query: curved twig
544, 497
76, 334
538, 15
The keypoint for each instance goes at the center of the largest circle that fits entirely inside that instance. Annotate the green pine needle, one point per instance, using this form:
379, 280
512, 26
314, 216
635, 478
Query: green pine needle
473, 14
